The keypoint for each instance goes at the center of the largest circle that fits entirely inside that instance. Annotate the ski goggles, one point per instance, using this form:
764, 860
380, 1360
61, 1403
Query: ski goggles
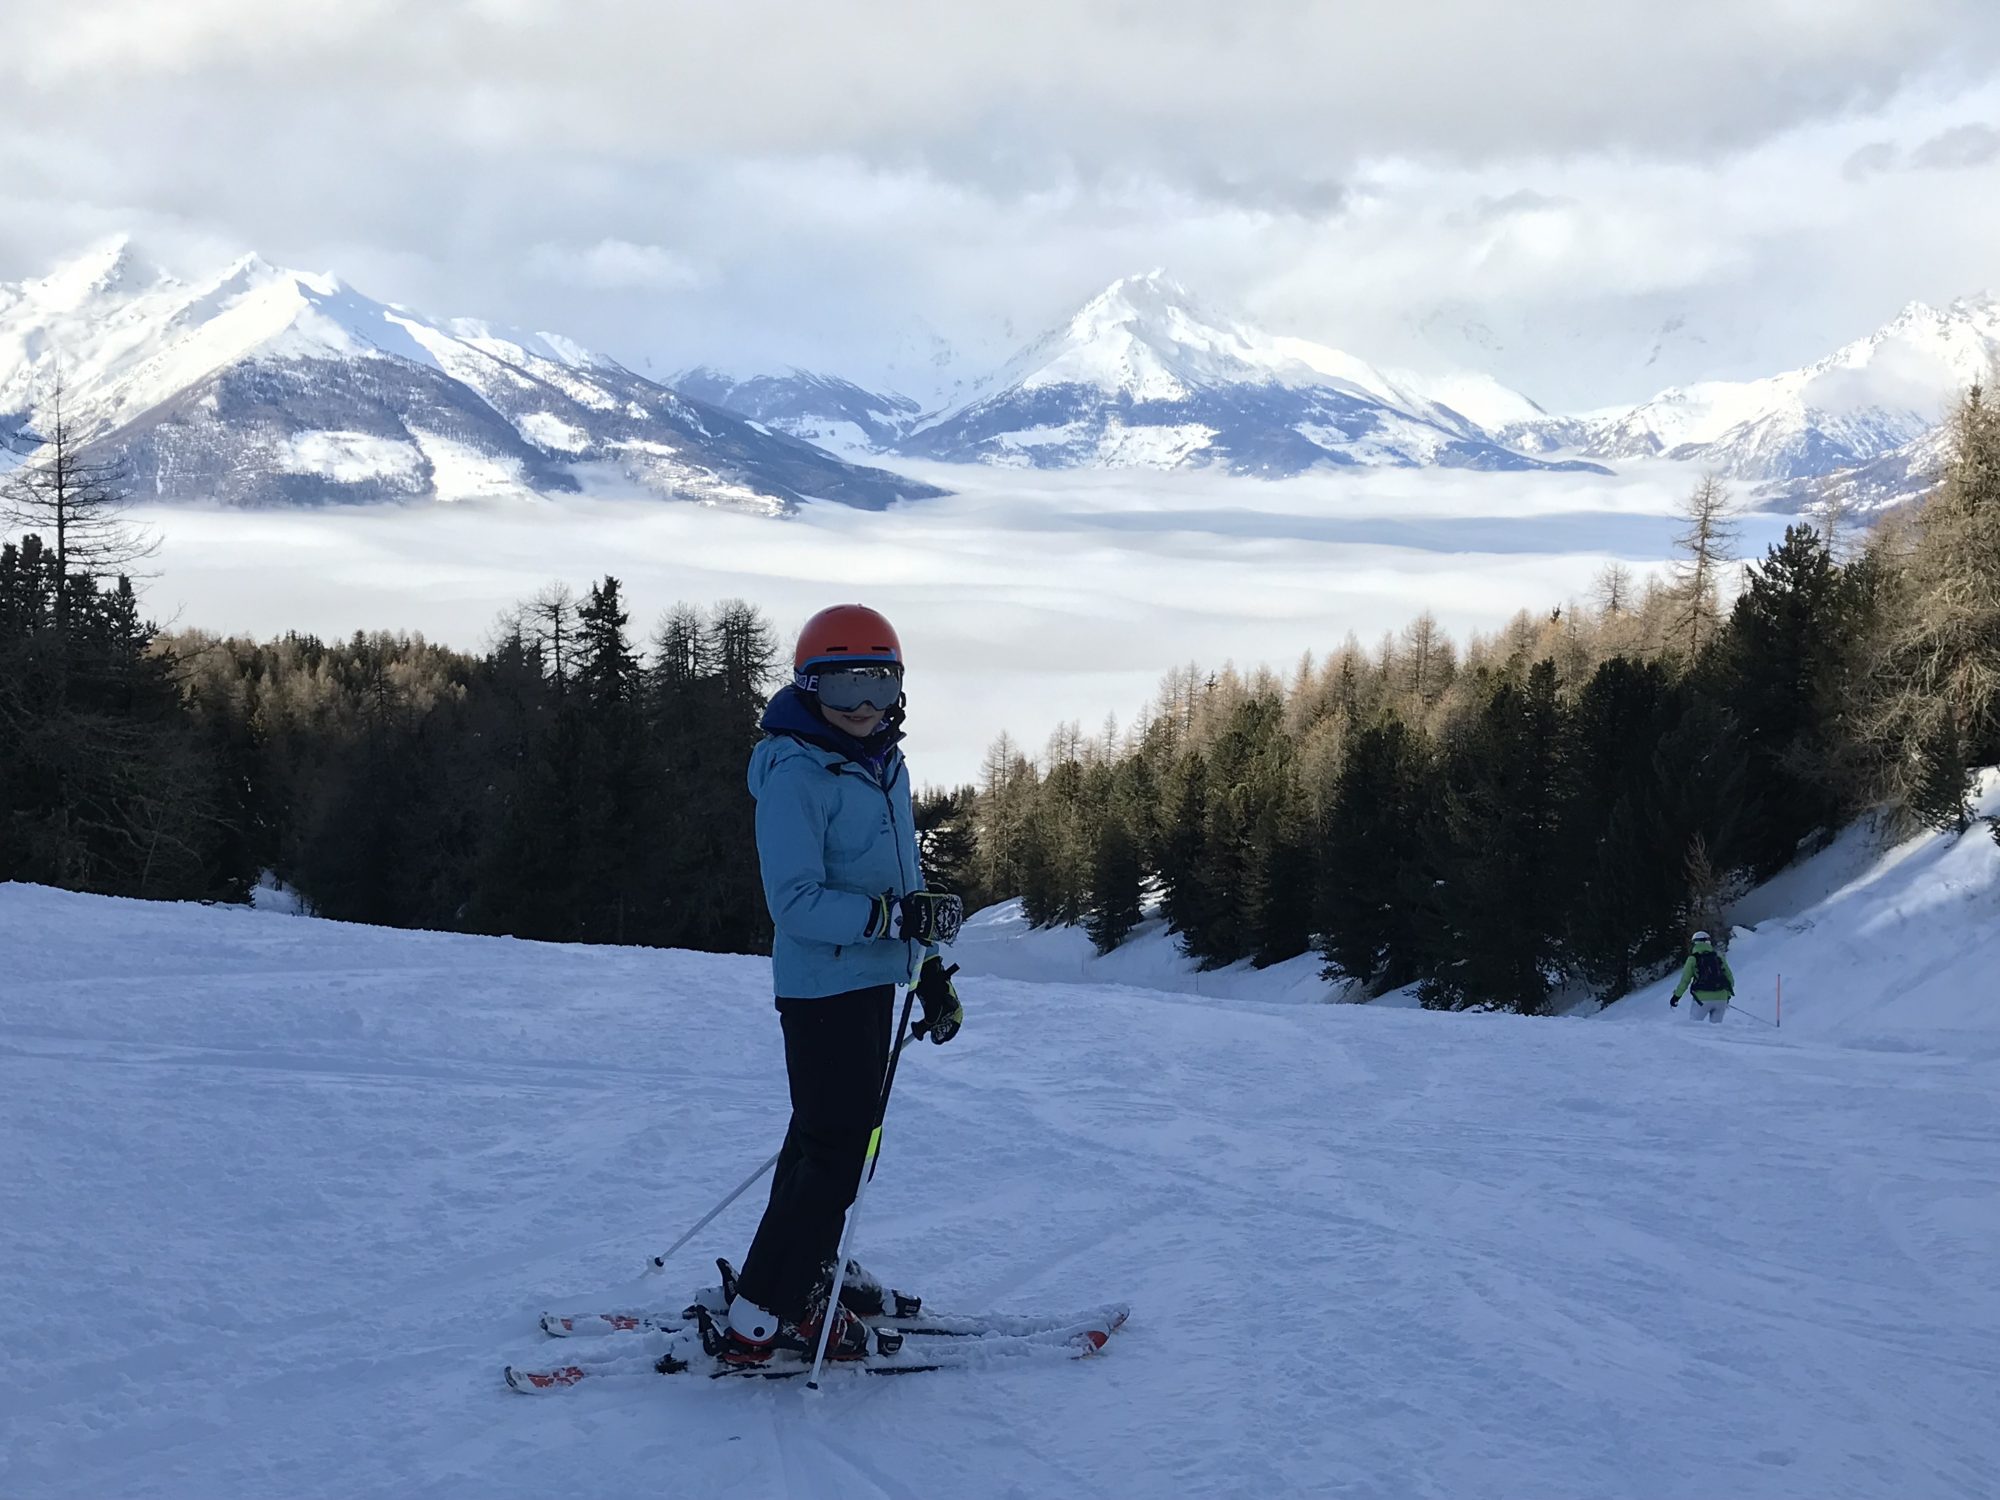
877, 685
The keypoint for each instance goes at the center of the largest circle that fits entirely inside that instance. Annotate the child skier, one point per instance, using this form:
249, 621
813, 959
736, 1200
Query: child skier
838, 851
1709, 972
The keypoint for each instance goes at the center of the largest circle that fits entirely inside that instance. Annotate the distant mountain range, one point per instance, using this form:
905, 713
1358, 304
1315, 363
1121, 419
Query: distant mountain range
1866, 417
260, 386
831, 413
1141, 376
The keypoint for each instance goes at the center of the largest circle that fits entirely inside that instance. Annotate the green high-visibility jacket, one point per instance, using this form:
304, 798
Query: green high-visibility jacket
1687, 976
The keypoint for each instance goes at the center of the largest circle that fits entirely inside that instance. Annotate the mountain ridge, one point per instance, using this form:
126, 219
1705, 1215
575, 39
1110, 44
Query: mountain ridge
258, 385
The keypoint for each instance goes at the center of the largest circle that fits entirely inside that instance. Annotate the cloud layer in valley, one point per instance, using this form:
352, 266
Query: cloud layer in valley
1023, 600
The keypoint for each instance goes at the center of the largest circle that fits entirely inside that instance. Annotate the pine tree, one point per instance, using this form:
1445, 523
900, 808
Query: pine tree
1788, 634
1502, 894
611, 780
1187, 896
1628, 889
948, 841
1116, 877
1698, 795
1369, 854
102, 783
1246, 776
1038, 883
608, 671
1282, 883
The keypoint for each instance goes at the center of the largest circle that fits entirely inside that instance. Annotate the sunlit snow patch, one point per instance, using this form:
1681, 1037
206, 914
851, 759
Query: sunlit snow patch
551, 431
460, 471
353, 458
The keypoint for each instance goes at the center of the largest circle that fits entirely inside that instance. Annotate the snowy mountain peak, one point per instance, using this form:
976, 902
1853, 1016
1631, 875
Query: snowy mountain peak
1142, 337
1150, 301
258, 385
1978, 306
110, 265
1960, 338
1143, 375
1867, 401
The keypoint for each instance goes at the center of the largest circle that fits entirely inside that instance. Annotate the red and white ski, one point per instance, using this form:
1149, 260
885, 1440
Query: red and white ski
680, 1352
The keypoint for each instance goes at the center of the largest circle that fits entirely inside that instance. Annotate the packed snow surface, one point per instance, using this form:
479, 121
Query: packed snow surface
283, 1195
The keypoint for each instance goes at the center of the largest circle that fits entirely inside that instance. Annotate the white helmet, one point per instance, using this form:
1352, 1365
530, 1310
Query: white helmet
1702, 937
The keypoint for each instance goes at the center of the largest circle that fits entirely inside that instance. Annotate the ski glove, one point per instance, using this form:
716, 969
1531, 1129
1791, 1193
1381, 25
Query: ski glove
928, 917
1674, 1003
943, 1015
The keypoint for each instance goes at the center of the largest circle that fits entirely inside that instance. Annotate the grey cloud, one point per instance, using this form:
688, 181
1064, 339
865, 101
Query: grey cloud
1872, 159
1267, 89
1305, 197
614, 265
825, 179
1520, 201
1962, 146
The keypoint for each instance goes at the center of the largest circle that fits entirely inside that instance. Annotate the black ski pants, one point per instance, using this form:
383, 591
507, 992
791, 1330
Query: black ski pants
836, 1051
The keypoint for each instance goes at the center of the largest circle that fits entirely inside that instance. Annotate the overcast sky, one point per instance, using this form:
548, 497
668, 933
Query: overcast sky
753, 182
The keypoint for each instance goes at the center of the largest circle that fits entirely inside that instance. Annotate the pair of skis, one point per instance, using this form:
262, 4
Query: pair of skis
906, 1341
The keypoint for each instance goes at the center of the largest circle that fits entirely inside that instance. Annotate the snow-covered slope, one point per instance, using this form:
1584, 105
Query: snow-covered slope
1898, 478
282, 1196
259, 385
1142, 375
823, 410
998, 943
1894, 950
1865, 401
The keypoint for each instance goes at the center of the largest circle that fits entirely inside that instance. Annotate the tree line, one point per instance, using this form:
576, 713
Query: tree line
1560, 803
560, 784
1555, 804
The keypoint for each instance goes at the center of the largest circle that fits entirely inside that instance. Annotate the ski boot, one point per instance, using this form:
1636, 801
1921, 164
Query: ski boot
753, 1334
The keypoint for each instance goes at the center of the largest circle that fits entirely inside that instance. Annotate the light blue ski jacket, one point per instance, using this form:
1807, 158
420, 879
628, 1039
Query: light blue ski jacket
833, 832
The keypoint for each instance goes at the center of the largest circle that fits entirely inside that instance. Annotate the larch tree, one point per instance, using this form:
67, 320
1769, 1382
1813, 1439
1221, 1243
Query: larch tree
1707, 545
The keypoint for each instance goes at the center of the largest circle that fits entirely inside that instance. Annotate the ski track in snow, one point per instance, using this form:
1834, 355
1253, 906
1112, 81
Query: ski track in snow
282, 1197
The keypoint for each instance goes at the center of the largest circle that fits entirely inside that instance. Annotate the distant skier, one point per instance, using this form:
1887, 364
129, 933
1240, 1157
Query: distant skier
838, 851
1708, 971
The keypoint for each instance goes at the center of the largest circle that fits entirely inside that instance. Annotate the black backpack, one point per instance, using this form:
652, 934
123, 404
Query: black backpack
1708, 972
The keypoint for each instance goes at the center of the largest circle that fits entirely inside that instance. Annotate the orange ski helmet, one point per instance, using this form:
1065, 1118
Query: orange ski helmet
851, 634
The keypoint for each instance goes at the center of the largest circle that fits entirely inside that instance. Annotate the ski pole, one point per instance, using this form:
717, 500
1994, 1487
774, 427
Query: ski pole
861, 1189
659, 1262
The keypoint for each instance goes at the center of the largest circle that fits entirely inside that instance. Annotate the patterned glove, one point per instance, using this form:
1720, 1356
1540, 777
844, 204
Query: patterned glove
928, 917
